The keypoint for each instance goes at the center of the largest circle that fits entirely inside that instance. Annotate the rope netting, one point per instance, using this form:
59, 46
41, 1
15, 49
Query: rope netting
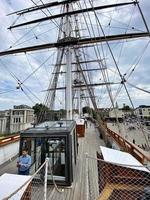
35, 186
122, 182
111, 182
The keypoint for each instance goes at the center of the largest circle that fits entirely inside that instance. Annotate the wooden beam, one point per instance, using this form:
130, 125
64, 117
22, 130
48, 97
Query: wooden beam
72, 13
41, 6
109, 188
75, 42
84, 70
83, 62
87, 97
80, 86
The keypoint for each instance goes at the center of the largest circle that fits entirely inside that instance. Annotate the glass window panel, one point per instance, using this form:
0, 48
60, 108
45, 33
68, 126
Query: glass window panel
57, 156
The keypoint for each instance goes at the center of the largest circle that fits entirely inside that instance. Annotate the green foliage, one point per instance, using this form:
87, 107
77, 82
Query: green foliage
126, 108
94, 114
38, 108
43, 113
86, 109
90, 111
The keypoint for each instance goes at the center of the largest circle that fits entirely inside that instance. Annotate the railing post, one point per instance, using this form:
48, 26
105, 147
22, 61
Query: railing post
45, 179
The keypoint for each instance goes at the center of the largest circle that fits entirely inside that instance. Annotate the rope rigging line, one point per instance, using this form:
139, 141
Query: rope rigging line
122, 45
7, 91
85, 80
53, 20
15, 43
20, 83
86, 65
49, 100
122, 78
31, 92
88, 31
138, 120
132, 68
138, 88
16, 20
38, 68
36, 36
27, 96
120, 22
31, 29
50, 96
46, 70
119, 89
130, 85
90, 90
11, 73
105, 75
32, 68
121, 50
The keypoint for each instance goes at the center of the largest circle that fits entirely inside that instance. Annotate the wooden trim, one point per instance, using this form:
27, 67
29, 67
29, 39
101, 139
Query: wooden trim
108, 189
129, 147
9, 140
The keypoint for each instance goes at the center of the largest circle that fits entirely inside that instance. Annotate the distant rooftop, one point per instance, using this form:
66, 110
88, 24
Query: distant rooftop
22, 107
144, 106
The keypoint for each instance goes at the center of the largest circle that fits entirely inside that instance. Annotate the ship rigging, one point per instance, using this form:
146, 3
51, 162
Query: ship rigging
82, 64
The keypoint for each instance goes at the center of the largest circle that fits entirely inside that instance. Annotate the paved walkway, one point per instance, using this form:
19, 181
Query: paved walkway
135, 134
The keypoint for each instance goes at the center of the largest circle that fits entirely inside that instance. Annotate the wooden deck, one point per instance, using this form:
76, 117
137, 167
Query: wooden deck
9, 167
85, 185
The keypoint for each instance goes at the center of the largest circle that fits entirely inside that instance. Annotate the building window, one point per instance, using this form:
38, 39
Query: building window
21, 112
140, 111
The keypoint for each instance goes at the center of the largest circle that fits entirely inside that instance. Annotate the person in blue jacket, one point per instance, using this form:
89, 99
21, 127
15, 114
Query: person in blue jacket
24, 163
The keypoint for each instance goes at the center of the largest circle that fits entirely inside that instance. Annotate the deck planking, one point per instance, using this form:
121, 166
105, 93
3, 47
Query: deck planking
85, 184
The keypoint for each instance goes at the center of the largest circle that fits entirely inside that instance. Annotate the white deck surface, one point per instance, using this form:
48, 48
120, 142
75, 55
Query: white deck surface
122, 158
9, 183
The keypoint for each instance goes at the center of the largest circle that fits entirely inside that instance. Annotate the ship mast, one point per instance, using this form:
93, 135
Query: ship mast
68, 67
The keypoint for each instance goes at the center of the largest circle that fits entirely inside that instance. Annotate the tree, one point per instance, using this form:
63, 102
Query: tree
86, 109
126, 107
94, 113
40, 110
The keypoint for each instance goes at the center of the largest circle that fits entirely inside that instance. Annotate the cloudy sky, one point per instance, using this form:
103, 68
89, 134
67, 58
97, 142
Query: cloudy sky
129, 55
